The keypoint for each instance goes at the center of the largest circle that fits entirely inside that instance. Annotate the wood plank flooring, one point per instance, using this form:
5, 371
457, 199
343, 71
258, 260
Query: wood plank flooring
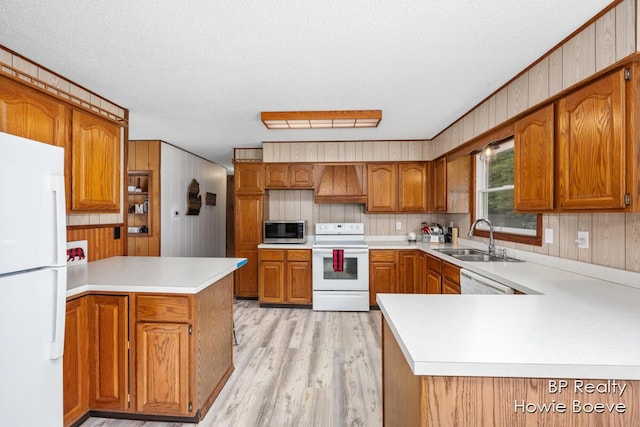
296, 367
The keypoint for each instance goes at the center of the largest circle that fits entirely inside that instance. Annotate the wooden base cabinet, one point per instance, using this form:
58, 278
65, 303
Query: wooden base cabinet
109, 352
180, 356
163, 368
284, 276
75, 363
383, 273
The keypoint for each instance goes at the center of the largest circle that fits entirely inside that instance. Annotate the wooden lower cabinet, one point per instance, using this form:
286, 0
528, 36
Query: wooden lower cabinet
179, 358
75, 361
383, 273
409, 277
109, 351
163, 368
450, 278
434, 277
284, 276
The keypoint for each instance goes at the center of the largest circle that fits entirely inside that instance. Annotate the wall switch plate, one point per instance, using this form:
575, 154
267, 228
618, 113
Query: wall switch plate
399, 225
583, 239
548, 235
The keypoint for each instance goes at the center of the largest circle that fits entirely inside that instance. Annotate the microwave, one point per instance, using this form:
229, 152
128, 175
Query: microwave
285, 231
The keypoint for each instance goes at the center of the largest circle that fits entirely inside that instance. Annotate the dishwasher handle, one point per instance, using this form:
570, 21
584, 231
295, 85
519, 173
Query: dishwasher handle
473, 283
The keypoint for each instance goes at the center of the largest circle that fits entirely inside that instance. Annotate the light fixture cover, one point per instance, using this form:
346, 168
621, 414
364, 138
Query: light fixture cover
321, 119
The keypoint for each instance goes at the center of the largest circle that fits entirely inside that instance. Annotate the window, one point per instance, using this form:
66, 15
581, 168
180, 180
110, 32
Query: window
494, 194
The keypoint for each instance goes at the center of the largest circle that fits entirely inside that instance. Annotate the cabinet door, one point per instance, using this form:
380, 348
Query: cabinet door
383, 273
249, 214
591, 146
162, 370
246, 277
28, 113
301, 175
533, 161
440, 185
75, 364
412, 178
108, 357
409, 272
298, 282
276, 175
248, 177
458, 184
271, 281
434, 282
95, 176
449, 287
382, 187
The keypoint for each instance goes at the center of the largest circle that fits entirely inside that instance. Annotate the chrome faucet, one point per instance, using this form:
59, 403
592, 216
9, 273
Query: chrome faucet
492, 246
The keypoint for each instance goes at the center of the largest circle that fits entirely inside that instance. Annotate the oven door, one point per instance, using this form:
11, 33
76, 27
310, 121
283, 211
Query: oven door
353, 277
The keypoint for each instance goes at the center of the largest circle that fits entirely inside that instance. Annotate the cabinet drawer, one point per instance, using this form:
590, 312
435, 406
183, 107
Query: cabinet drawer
433, 263
382, 256
165, 308
298, 255
451, 272
271, 255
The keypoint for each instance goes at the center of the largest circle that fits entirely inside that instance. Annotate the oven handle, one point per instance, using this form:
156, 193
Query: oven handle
346, 251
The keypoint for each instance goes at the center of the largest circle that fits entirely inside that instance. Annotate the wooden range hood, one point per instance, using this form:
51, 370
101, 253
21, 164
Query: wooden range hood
340, 183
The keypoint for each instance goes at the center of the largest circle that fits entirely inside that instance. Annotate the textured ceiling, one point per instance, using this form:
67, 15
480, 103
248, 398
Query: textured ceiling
198, 73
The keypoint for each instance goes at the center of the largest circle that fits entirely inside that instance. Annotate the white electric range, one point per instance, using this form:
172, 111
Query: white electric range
340, 268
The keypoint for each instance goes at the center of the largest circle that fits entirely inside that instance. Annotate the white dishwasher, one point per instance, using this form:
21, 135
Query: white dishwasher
473, 283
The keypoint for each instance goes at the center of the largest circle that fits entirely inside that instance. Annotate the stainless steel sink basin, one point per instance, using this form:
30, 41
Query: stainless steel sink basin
474, 255
454, 251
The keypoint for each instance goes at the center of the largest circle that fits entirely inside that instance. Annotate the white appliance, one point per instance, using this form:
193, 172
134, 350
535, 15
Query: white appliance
340, 268
33, 282
473, 283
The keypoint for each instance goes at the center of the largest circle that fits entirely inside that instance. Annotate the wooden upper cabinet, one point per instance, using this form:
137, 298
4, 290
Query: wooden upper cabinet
276, 175
301, 175
95, 177
28, 113
591, 146
412, 180
283, 175
458, 185
439, 199
533, 161
382, 187
248, 177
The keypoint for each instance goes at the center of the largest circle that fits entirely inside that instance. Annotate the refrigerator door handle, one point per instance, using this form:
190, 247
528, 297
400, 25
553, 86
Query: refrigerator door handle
57, 186
56, 348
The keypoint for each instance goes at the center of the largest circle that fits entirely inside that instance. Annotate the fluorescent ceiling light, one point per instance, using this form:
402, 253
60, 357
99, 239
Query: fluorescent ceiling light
321, 119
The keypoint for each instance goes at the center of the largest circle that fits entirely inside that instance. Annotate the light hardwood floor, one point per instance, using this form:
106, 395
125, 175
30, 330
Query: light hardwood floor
296, 367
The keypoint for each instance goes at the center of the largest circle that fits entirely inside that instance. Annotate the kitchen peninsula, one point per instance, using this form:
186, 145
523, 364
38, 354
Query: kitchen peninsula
148, 337
567, 353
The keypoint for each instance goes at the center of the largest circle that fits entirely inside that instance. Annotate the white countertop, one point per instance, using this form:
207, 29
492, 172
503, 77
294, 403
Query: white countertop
149, 274
574, 326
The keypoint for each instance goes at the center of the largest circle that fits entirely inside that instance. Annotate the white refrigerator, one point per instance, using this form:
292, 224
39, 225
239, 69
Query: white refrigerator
33, 282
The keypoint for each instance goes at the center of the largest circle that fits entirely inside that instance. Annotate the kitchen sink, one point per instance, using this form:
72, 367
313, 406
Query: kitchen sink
474, 255
454, 251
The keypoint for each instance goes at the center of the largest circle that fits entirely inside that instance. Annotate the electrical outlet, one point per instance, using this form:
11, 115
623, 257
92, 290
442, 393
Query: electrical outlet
583, 239
399, 225
548, 235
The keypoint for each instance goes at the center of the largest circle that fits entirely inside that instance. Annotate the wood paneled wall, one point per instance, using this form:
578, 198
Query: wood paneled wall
191, 235
346, 151
299, 204
100, 241
145, 155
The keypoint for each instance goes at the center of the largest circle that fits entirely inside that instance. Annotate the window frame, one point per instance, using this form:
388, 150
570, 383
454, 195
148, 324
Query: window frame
531, 239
